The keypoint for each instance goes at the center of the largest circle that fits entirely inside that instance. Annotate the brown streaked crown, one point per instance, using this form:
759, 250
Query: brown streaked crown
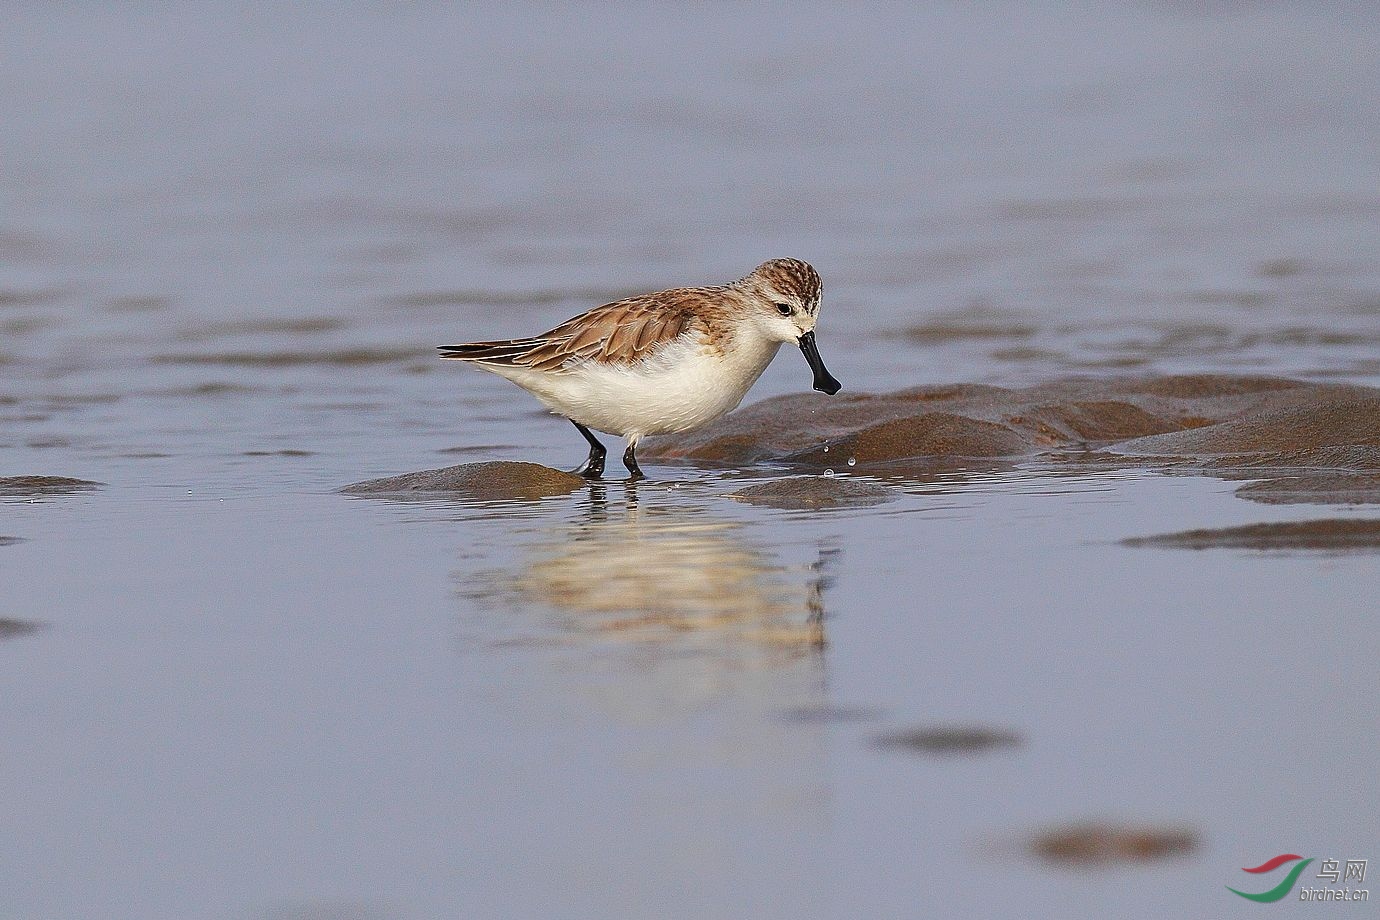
792, 276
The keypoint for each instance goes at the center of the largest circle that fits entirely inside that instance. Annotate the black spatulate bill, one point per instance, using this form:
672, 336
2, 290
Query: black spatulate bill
824, 381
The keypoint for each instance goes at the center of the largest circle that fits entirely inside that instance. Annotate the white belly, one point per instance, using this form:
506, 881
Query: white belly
681, 387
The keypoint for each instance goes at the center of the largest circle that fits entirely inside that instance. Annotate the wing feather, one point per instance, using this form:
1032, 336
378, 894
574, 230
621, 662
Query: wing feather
619, 333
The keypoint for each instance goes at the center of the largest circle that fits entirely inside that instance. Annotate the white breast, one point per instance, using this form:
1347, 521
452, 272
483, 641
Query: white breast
681, 386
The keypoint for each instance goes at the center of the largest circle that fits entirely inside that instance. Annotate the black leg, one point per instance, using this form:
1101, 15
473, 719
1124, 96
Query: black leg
630, 461
594, 465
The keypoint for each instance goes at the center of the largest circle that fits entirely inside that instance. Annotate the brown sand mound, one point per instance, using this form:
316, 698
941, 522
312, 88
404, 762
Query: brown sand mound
44, 485
1107, 420
930, 434
950, 739
494, 481
794, 426
814, 492
14, 629
1331, 534
1189, 415
1095, 844
1320, 424
1316, 489
1352, 457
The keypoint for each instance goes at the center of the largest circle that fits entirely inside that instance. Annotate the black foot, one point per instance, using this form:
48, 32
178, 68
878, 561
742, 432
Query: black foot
594, 464
630, 461
592, 469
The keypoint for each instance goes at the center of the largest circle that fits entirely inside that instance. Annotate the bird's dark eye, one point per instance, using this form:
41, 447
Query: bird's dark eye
784, 309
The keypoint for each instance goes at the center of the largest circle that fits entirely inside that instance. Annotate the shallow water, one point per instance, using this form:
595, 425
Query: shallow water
230, 239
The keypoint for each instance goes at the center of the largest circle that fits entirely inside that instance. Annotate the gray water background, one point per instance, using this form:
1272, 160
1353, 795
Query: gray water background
230, 237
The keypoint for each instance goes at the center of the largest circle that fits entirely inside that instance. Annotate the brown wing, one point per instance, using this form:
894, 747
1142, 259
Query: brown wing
621, 332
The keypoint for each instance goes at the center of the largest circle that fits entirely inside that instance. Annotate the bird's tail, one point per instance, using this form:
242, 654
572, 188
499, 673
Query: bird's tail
509, 352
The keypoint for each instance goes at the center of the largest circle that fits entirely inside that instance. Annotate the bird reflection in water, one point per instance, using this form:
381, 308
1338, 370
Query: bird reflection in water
674, 578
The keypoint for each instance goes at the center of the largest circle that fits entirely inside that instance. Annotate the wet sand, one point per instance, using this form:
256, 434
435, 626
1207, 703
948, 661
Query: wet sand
1096, 844
1261, 420
1336, 534
950, 739
814, 492
493, 481
11, 629
44, 485
1330, 488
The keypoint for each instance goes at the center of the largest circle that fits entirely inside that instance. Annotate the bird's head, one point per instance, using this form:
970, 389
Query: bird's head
785, 296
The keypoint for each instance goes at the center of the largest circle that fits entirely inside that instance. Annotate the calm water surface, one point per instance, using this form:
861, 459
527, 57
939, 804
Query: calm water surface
231, 236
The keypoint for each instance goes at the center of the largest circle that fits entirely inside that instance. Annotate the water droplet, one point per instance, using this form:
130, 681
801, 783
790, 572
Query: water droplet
828, 474
852, 461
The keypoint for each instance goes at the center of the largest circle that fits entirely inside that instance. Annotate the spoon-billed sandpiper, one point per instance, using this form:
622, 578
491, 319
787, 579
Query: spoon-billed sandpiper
664, 362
